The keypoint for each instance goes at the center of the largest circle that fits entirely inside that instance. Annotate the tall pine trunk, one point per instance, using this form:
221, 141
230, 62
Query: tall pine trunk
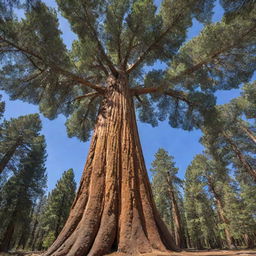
114, 208
249, 133
8, 234
222, 216
246, 165
178, 231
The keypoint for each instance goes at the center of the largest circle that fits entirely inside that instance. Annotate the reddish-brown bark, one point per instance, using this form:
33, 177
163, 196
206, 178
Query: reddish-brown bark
114, 208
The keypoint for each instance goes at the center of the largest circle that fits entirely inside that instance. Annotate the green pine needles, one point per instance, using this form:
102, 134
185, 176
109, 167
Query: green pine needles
126, 36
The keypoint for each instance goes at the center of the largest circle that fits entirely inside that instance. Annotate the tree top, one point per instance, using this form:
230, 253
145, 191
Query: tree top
124, 37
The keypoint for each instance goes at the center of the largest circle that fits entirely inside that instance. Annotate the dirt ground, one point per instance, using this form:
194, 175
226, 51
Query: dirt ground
183, 253
200, 253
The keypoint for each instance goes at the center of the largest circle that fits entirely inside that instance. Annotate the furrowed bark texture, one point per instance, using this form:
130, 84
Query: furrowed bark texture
114, 209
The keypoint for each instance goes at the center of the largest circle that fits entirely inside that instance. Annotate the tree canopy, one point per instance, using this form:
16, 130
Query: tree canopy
126, 36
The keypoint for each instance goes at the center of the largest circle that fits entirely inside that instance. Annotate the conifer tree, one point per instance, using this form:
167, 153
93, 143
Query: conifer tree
57, 208
17, 138
231, 137
214, 175
19, 194
166, 192
104, 80
247, 223
200, 214
34, 243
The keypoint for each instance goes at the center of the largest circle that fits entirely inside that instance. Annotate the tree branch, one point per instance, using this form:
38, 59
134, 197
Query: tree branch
150, 48
85, 96
213, 56
75, 77
100, 46
129, 49
144, 90
32, 77
170, 92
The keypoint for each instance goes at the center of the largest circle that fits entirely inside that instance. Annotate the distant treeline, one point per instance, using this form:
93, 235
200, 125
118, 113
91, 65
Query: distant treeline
28, 218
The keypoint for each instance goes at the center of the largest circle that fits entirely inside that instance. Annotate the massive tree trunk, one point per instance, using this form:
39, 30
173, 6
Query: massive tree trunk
114, 208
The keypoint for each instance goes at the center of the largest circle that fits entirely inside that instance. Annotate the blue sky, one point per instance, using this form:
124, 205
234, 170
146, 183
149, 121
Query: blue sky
65, 153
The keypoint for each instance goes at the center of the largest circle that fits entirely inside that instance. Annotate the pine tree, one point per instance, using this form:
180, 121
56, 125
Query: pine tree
18, 135
247, 223
215, 177
104, 79
33, 242
165, 186
232, 138
19, 194
58, 206
200, 214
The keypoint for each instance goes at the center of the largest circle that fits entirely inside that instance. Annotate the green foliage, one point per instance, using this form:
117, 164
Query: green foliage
57, 207
49, 239
166, 188
116, 36
200, 214
227, 139
81, 122
18, 136
22, 190
246, 103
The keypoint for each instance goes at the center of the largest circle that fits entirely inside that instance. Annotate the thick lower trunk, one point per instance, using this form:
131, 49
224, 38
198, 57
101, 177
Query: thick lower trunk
114, 208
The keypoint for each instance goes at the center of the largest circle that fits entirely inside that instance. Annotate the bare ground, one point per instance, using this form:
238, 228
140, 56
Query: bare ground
200, 253
183, 253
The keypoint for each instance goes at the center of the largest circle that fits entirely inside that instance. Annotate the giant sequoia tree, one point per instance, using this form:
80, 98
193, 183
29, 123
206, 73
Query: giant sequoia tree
102, 82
